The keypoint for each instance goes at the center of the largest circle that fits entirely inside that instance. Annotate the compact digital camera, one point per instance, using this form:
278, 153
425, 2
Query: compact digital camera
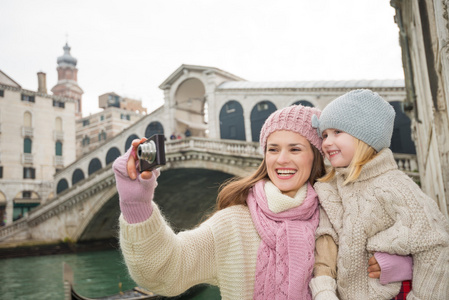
151, 153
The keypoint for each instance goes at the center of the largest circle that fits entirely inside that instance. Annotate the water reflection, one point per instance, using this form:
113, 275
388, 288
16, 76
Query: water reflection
96, 274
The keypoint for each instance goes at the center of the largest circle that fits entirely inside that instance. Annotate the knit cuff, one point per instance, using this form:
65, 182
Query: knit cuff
394, 267
136, 212
323, 288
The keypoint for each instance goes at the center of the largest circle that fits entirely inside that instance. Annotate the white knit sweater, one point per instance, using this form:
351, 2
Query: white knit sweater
384, 210
222, 251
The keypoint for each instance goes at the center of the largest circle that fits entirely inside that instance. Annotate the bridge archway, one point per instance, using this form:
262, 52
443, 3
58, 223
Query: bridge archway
94, 166
260, 112
62, 185
129, 140
190, 102
112, 154
77, 176
232, 122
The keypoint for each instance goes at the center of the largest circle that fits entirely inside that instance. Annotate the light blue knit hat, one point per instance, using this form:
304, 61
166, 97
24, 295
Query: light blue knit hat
363, 114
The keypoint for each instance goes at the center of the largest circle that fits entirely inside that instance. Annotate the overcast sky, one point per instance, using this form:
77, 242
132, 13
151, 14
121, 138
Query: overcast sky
131, 47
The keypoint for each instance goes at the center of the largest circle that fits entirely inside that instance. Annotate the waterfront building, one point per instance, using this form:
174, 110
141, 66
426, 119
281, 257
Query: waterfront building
37, 137
118, 114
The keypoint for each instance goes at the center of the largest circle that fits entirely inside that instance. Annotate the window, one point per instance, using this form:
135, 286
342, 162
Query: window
26, 194
102, 135
27, 98
57, 103
2, 93
1, 172
58, 148
29, 173
27, 145
86, 122
86, 141
102, 118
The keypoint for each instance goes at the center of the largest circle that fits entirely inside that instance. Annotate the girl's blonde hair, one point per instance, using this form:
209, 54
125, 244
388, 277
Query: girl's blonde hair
235, 190
363, 154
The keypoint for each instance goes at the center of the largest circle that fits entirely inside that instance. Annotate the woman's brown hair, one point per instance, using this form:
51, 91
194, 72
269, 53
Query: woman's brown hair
235, 190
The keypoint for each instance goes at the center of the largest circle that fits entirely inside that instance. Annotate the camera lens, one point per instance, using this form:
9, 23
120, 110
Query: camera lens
147, 151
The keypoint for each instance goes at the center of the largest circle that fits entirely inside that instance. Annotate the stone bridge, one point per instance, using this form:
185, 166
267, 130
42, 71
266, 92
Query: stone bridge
88, 209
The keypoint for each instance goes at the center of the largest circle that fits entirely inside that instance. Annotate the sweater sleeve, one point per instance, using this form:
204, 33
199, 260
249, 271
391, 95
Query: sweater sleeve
418, 224
325, 257
165, 262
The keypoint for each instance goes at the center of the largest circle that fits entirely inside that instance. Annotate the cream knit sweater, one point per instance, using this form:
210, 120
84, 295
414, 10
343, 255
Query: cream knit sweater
384, 210
222, 251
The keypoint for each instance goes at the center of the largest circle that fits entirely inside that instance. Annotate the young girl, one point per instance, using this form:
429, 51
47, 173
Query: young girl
372, 206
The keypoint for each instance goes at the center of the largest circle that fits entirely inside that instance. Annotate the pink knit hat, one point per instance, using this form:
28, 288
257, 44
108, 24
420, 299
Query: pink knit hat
296, 118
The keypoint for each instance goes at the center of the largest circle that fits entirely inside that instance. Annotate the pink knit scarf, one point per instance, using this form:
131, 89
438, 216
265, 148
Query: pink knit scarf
285, 256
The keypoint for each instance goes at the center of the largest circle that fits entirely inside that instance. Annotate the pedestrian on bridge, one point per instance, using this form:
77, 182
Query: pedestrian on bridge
260, 241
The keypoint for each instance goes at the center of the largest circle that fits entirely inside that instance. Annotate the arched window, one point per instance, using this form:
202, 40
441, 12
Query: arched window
27, 145
154, 128
102, 136
304, 103
129, 140
62, 186
260, 112
77, 176
94, 166
112, 154
86, 141
58, 148
232, 123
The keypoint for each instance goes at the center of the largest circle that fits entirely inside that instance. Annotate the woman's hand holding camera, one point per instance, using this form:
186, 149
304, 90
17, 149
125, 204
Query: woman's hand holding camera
136, 190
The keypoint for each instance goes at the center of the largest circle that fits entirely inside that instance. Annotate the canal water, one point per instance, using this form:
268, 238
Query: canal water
96, 274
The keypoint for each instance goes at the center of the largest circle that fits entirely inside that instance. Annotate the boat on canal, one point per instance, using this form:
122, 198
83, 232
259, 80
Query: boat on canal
136, 293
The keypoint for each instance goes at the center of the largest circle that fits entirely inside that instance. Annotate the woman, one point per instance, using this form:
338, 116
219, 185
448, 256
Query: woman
259, 244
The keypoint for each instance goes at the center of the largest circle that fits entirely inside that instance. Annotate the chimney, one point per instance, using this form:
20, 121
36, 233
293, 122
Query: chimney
42, 82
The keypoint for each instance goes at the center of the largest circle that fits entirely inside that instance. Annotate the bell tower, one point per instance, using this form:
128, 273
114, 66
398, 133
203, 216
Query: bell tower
67, 85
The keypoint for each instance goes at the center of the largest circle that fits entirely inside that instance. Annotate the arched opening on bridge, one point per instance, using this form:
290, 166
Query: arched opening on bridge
190, 104
94, 166
303, 103
77, 176
24, 202
129, 140
401, 141
260, 112
62, 185
232, 122
154, 128
112, 154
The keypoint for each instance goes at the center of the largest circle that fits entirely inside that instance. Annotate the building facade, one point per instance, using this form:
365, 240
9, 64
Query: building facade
424, 39
37, 138
119, 113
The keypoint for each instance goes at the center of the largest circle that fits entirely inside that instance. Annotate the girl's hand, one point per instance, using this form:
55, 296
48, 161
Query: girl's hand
373, 268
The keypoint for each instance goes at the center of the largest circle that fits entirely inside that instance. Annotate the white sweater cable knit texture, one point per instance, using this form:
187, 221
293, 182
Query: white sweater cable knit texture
384, 210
